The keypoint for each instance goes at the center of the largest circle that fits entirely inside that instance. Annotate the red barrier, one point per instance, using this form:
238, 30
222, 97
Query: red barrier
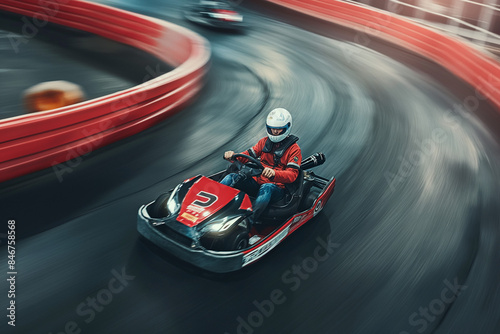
467, 63
32, 142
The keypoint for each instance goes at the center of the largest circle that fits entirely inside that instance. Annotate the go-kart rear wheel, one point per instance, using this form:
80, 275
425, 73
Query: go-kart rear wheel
159, 208
308, 200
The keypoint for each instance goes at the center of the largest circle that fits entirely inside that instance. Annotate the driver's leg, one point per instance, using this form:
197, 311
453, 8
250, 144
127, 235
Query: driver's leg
230, 179
268, 193
241, 182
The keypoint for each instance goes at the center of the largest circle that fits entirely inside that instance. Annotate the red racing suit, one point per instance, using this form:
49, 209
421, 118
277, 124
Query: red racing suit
284, 157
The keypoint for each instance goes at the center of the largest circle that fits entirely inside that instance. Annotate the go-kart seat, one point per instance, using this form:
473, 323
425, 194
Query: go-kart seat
290, 203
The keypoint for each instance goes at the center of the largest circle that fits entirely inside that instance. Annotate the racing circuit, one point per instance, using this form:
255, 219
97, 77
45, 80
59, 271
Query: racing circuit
408, 243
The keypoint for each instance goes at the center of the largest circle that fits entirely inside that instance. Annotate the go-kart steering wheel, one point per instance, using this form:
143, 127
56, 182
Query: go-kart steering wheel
252, 168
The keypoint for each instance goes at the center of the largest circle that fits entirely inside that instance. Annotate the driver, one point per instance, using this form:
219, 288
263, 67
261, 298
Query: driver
281, 157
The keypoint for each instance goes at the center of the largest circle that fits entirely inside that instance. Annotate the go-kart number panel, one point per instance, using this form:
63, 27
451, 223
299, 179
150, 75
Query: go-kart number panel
205, 197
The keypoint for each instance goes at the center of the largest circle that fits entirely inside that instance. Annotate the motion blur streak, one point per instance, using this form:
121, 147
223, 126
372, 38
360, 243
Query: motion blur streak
415, 210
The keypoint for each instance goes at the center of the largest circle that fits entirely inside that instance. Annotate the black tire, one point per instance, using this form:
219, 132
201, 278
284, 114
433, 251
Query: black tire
240, 240
159, 208
308, 200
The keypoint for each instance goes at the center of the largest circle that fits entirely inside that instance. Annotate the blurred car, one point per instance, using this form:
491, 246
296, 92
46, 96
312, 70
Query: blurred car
215, 14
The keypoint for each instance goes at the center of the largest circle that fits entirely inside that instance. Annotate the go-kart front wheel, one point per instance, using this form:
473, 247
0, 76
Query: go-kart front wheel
239, 241
159, 208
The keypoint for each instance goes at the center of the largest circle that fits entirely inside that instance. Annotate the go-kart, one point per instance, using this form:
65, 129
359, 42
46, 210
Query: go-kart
207, 223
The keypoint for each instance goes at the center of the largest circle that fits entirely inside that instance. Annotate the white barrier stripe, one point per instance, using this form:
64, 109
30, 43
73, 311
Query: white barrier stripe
448, 17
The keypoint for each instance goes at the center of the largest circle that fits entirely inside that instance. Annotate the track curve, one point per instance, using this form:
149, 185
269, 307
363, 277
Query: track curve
415, 210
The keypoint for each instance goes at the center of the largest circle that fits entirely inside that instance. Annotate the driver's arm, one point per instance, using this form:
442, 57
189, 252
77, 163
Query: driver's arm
255, 151
291, 171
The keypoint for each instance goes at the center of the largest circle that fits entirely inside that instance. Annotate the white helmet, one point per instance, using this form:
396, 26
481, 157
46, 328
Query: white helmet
279, 118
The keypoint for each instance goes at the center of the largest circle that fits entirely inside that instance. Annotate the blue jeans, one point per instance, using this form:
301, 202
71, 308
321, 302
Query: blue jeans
266, 193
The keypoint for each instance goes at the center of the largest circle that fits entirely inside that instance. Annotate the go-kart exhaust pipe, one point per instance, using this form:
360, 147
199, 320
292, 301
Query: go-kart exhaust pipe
313, 160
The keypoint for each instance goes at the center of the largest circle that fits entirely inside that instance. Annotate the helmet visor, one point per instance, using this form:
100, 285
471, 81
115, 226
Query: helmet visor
276, 131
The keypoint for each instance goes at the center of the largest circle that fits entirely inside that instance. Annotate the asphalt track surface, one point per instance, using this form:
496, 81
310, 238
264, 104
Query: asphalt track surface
408, 243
